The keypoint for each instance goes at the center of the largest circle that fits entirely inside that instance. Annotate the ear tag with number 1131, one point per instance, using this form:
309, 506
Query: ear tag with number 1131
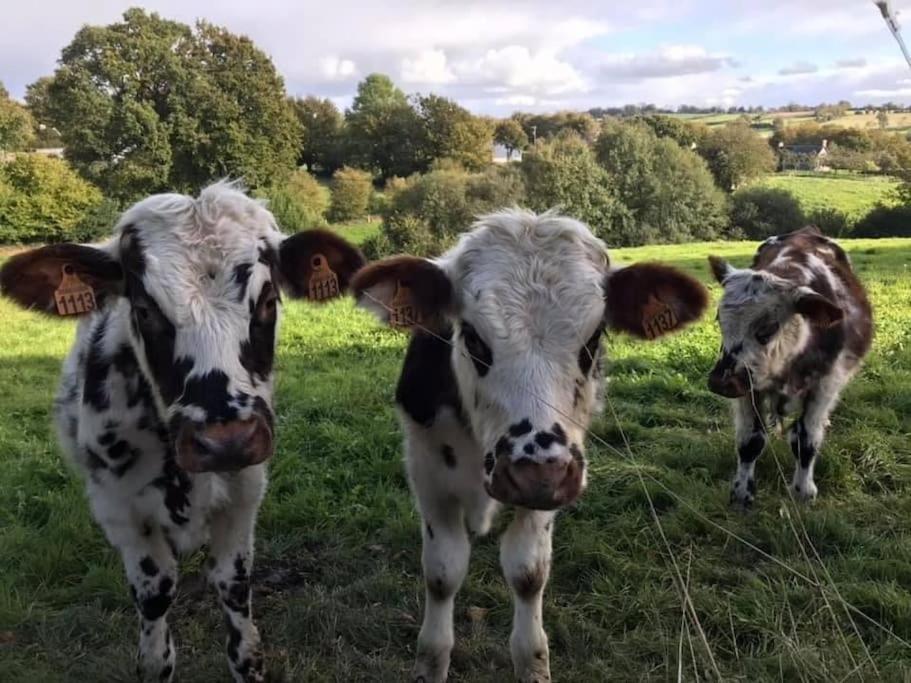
404, 315
73, 296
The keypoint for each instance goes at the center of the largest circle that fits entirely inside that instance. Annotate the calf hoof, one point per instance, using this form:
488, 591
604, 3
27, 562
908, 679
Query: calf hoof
430, 668
743, 493
535, 671
805, 492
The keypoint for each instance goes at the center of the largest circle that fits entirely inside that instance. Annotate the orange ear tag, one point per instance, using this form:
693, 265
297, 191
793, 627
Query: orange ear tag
657, 318
403, 315
73, 296
323, 282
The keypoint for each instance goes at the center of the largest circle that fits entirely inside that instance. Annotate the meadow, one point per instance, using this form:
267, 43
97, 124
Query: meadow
782, 593
852, 194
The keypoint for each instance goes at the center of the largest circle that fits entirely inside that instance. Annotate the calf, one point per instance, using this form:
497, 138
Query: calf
795, 327
500, 381
165, 400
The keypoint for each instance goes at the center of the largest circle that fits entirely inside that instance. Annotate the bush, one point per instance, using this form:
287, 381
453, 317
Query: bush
351, 192
563, 173
426, 213
885, 221
299, 202
98, 222
42, 200
736, 154
667, 190
761, 212
832, 222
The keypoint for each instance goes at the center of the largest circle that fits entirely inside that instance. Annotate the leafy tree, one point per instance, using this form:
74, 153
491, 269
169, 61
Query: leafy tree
736, 154
760, 212
351, 191
43, 200
385, 133
16, 124
511, 135
322, 131
452, 132
298, 201
149, 104
684, 133
563, 173
667, 189
545, 126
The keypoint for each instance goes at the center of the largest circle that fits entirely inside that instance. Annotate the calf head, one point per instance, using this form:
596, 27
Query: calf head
526, 299
198, 282
765, 322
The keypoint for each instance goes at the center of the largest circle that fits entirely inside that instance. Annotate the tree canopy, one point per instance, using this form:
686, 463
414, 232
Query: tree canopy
17, 126
149, 104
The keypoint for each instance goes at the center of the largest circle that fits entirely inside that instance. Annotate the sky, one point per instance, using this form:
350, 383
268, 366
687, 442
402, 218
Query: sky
500, 56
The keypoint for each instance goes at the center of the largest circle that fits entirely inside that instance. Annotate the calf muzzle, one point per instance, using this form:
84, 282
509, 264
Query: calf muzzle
536, 485
223, 446
725, 380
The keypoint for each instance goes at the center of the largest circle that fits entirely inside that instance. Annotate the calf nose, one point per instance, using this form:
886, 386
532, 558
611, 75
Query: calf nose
536, 484
725, 381
223, 445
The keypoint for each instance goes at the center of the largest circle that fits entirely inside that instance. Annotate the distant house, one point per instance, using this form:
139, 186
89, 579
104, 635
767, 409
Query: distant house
803, 157
499, 155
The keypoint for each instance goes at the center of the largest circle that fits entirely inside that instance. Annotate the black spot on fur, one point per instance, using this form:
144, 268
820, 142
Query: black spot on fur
529, 448
520, 428
478, 350
107, 439
752, 447
176, 486
503, 447
429, 530
242, 272
210, 392
148, 566
154, 607
427, 382
97, 367
257, 352
234, 638
438, 589
166, 672
588, 354
489, 462
559, 434
449, 456
528, 584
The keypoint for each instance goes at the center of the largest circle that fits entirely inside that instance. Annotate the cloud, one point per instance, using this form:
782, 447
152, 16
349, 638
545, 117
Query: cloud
337, 69
429, 68
517, 68
798, 68
851, 63
674, 60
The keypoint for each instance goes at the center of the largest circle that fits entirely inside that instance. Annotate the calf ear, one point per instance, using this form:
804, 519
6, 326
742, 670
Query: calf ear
404, 291
309, 260
33, 279
720, 268
816, 308
649, 300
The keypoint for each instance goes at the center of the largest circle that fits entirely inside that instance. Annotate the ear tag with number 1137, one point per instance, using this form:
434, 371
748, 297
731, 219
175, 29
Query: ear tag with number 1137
73, 296
657, 318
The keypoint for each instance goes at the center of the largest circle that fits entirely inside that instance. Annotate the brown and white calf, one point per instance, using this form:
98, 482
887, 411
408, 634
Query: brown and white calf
165, 404
795, 327
497, 391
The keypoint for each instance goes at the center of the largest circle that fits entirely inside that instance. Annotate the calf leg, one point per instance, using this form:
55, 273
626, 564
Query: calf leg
445, 554
151, 569
525, 551
231, 565
807, 434
751, 440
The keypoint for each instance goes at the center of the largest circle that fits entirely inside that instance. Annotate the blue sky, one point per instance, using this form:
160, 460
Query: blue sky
499, 56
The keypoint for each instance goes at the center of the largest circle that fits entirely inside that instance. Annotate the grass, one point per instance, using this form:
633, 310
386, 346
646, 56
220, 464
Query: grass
338, 591
358, 232
853, 195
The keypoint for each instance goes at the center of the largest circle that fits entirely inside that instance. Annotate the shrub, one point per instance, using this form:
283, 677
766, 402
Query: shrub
98, 222
42, 200
736, 154
832, 222
885, 221
761, 212
563, 173
299, 202
351, 192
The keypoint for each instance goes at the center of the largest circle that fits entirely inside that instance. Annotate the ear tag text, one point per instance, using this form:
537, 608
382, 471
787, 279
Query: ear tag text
404, 315
73, 296
657, 318
323, 281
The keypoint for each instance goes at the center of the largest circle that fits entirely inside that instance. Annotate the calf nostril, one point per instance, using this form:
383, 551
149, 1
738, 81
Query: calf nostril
202, 445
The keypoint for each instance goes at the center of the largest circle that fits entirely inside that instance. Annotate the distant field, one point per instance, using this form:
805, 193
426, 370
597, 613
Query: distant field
852, 195
898, 122
359, 232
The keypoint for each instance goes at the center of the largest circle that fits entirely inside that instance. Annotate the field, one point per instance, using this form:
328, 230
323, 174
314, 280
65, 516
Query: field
338, 592
853, 195
898, 121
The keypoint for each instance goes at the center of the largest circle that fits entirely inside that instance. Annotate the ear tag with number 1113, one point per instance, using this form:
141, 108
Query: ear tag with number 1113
323, 281
73, 296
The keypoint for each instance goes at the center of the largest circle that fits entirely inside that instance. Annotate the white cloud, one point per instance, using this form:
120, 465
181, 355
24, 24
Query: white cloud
856, 63
517, 68
798, 68
429, 67
670, 60
337, 69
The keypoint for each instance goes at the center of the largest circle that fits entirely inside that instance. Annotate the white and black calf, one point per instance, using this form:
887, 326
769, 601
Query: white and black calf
496, 394
795, 327
165, 404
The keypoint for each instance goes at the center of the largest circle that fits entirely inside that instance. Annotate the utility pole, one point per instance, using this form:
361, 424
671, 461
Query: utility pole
892, 22
534, 136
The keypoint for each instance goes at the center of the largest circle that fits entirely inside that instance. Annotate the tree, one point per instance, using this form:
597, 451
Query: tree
16, 124
322, 131
563, 173
736, 154
510, 134
668, 190
385, 133
684, 133
351, 190
760, 212
149, 104
452, 132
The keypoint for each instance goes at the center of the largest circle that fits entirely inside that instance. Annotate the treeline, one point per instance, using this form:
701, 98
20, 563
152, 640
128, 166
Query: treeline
148, 105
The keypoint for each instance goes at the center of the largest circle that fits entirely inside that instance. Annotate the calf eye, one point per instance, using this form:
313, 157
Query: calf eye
480, 353
766, 332
266, 305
